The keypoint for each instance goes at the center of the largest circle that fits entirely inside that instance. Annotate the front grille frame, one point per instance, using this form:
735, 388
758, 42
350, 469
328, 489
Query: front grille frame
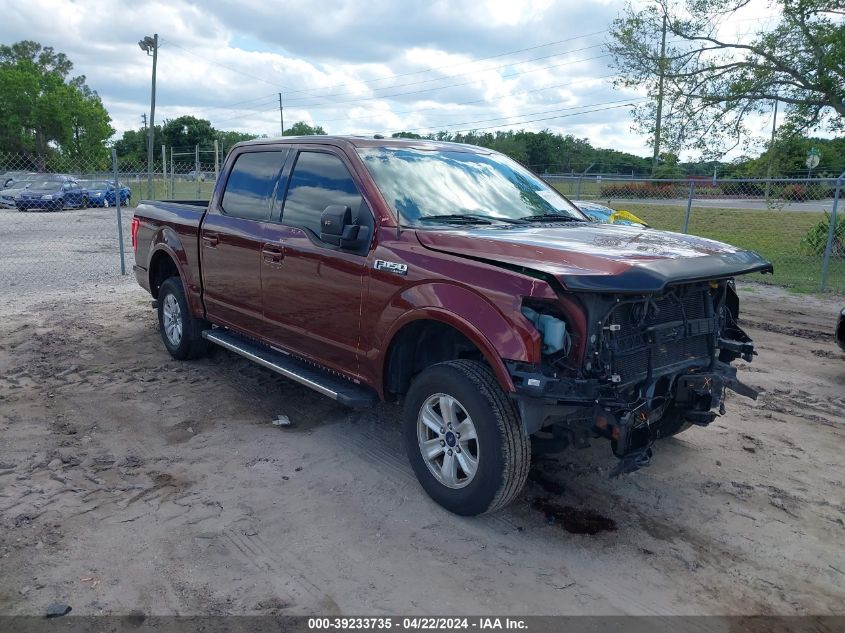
650, 337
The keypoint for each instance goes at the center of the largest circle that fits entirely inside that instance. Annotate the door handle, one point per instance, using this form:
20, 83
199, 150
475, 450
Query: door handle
210, 240
272, 255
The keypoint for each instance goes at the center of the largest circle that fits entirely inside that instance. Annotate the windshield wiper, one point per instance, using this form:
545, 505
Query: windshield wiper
550, 217
471, 218
457, 218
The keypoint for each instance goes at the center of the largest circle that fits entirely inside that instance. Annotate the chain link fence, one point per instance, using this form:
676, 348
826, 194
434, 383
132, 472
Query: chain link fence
788, 221
58, 217
59, 226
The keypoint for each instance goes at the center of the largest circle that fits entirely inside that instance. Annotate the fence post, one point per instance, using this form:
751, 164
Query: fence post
172, 175
216, 160
689, 205
197, 168
117, 211
578, 189
828, 249
164, 171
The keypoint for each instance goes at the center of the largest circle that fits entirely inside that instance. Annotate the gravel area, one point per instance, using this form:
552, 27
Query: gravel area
130, 482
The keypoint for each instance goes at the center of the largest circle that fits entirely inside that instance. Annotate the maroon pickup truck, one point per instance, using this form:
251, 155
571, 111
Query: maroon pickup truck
451, 279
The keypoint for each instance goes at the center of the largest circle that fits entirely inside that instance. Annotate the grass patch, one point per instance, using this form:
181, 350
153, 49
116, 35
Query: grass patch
182, 189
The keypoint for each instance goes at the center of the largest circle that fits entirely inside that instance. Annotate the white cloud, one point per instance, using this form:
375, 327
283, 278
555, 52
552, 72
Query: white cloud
348, 69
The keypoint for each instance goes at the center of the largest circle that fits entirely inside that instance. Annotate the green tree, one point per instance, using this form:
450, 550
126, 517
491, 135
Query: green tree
301, 128
712, 82
668, 167
45, 111
788, 156
132, 145
227, 139
186, 132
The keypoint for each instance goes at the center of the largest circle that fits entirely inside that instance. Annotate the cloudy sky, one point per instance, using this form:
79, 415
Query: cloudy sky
352, 67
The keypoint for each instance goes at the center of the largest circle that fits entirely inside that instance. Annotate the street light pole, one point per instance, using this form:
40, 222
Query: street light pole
150, 46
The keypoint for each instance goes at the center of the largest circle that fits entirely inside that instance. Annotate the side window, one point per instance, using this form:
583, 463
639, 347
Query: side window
249, 189
318, 180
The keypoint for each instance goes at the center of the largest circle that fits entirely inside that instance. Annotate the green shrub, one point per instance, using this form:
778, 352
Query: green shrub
642, 190
815, 241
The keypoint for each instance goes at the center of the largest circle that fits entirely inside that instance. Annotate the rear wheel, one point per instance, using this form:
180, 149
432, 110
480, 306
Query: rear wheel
463, 438
180, 332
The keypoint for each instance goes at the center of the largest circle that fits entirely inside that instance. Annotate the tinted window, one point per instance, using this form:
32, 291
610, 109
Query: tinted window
318, 180
250, 185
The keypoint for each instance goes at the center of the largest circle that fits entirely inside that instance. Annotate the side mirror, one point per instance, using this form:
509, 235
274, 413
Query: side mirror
336, 228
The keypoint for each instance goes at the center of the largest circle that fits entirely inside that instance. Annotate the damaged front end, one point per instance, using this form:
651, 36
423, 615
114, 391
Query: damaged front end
633, 370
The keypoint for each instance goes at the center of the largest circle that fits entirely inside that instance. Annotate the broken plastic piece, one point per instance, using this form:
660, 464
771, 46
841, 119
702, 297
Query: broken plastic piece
282, 420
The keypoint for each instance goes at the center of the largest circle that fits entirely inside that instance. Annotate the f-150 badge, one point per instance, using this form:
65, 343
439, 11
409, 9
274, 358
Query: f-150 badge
391, 267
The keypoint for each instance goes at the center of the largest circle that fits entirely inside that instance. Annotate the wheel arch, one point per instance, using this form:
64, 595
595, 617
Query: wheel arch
431, 335
163, 265
167, 245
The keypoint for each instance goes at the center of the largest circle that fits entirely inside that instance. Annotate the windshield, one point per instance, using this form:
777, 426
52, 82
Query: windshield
421, 185
96, 184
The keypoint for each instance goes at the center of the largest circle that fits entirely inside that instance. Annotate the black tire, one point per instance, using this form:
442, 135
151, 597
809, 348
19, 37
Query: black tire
190, 343
84, 204
503, 451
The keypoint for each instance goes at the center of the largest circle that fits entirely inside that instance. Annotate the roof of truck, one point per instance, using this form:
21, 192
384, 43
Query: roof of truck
369, 141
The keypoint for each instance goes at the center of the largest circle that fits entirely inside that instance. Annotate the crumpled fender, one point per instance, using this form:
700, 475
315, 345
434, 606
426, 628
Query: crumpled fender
471, 314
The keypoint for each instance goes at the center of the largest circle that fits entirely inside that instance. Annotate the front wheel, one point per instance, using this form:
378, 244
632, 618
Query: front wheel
463, 438
181, 332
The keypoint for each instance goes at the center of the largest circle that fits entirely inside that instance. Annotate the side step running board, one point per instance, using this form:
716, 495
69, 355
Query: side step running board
344, 391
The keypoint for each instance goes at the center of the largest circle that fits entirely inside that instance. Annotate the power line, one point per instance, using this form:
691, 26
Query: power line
461, 103
578, 107
552, 118
472, 72
328, 97
465, 83
475, 61
484, 99
433, 89
395, 76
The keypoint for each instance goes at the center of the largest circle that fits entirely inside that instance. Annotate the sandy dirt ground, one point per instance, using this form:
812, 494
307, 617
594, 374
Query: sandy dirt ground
130, 482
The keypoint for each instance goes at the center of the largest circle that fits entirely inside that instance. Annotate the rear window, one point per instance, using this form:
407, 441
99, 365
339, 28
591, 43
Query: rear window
249, 190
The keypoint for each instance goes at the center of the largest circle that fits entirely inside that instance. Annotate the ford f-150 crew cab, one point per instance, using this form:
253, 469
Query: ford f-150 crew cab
449, 278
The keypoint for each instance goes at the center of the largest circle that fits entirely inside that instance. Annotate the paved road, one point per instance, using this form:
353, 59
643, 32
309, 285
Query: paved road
813, 206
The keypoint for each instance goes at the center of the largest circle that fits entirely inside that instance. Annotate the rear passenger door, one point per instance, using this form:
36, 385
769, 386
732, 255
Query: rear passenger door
313, 294
232, 238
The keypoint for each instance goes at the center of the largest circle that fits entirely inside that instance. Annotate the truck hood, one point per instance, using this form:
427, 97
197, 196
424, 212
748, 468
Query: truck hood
591, 257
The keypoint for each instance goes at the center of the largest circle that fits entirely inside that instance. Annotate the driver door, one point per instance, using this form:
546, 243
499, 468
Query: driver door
313, 291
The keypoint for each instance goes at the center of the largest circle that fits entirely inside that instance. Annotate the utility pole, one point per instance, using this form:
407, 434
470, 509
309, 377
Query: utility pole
771, 152
282, 114
658, 123
150, 46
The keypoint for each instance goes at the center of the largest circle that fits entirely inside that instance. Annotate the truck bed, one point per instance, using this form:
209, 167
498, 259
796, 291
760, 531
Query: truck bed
177, 222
